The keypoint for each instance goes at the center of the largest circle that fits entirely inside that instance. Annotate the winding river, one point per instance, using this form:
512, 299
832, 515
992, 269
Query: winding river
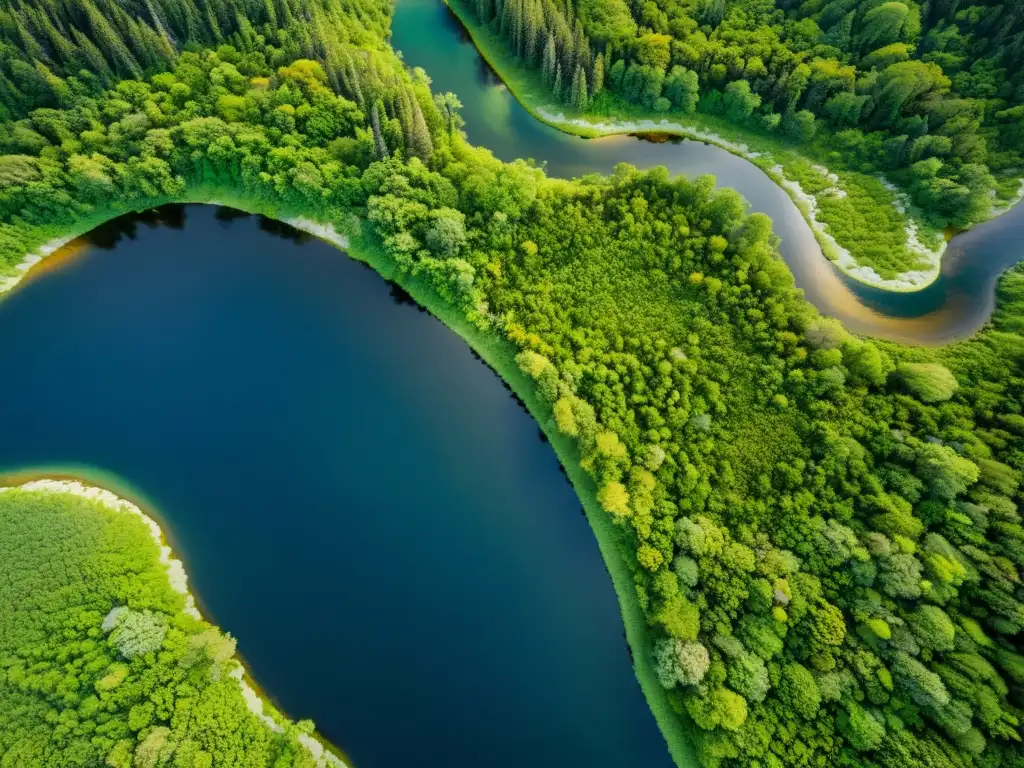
954, 307
356, 498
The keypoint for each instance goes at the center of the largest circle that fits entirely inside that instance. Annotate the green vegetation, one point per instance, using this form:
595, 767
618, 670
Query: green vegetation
769, 77
815, 538
99, 662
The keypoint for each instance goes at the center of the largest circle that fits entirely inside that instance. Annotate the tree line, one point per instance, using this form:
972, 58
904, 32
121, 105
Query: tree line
823, 530
929, 93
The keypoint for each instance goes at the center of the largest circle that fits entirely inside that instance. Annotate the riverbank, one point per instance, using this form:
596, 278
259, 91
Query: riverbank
499, 354
862, 224
326, 756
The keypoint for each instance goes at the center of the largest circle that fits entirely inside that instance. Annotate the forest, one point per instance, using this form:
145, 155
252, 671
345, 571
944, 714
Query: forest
823, 530
927, 96
99, 664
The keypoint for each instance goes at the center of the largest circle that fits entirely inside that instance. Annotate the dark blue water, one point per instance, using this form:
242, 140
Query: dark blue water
357, 499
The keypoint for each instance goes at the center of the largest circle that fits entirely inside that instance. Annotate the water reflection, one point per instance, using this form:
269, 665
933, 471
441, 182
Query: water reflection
336, 471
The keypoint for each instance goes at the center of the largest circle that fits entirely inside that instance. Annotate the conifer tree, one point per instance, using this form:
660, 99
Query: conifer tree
380, 147
549, 62
91, 57
568, 55
578, 96
507, 18
29, 42
271, 12
422, 146
557, 87
403, 111
597, 79
63, 47
211, 22
531, 32
519, 27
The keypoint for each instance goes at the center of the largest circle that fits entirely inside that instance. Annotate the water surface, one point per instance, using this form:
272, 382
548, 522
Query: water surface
356, 498
954, 307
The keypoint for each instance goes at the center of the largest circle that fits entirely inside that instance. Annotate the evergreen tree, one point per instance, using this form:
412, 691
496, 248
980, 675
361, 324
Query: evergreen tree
108, 40
557, 86
422, 146
597, 79
568, 55
549, 61
380, 147
533, 20
578, 96
60, 44
519, 27
403, 111
91, 57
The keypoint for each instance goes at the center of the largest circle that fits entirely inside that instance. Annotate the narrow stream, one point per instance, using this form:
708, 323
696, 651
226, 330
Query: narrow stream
956, 306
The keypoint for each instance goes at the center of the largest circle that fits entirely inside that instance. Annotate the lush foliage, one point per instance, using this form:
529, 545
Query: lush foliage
929, 93
99, 665
823, 531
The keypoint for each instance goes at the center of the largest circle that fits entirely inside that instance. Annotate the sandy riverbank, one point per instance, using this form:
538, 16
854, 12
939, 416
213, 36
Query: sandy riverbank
33, 258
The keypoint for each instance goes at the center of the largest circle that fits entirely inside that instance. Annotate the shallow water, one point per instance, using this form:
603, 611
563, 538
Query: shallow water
956, 306
356, 498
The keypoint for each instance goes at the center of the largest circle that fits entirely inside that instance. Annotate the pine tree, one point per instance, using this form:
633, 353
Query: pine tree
380, 147
519, 28
422, 145
61, 46
211, 22
568, 57
533, 20
548, 63
557, 87
29, 43
246, 34
524, 26
578, 95
351, 77
507, 19
597, 80
271, 12
404, 115
108, 40
581, 47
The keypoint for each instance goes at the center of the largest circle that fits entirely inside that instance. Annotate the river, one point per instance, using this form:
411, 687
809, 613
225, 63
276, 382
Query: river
954, 307
357, 499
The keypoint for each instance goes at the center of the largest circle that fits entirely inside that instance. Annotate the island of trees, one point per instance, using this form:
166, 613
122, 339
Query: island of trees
816, 538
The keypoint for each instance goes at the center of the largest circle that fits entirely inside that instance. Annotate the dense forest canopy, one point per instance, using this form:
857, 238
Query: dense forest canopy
100, 665
824, 531
930, 93
53, 53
